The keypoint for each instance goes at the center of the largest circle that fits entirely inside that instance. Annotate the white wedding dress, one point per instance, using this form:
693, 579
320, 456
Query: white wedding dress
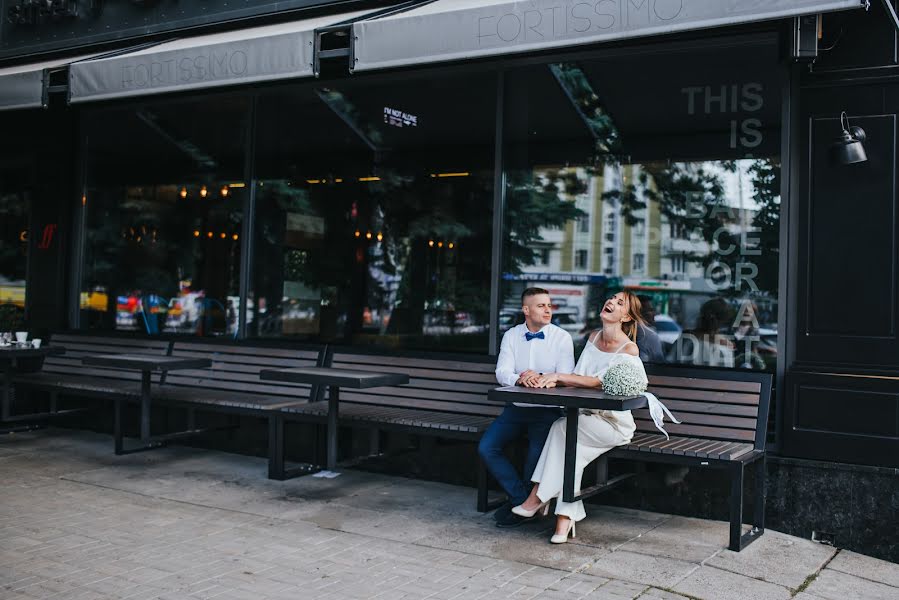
598, 432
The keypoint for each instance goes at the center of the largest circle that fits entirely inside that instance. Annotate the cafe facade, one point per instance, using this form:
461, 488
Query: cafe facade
393, 175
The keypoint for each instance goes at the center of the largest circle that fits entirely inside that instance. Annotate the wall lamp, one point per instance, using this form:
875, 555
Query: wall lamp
849, 148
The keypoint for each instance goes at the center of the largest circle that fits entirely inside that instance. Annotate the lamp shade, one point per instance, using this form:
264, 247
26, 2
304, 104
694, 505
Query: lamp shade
848, 148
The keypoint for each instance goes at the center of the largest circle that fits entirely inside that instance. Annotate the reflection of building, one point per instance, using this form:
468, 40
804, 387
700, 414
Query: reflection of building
648, 250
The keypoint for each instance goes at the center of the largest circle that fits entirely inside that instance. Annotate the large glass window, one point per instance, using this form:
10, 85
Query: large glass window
374, 212
163, 213
672, 160
14, 200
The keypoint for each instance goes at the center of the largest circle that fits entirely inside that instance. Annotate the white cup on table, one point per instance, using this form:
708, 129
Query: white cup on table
36, 342
21, 337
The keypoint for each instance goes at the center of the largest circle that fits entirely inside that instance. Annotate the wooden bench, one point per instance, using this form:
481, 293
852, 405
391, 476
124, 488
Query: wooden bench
724, 423
446, 397
66, 374
230, 386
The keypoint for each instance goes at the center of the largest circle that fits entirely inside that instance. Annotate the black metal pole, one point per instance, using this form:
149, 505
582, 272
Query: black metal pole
145, 406
499, 199
333, 405
7, 384
571, 423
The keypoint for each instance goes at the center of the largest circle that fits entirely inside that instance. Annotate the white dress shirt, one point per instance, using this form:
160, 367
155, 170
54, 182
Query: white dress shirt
552, 354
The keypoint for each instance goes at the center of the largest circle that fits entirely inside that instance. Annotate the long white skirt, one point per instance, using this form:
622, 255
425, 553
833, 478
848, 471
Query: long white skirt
596, 435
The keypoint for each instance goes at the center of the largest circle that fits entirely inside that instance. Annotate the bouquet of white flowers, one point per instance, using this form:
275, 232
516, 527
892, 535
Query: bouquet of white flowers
628, 378
625, 378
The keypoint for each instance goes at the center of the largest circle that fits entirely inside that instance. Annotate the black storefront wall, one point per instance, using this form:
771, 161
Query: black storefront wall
842, 385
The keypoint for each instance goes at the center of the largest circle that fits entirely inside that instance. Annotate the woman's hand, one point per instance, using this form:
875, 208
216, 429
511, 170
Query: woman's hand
549, 380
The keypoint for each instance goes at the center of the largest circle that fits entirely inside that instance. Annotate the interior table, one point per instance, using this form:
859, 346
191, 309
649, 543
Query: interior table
10, 357
146, 364
573, 401
334, 379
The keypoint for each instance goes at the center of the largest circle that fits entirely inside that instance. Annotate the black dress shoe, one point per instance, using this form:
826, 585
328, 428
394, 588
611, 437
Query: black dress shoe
503, 511
513, 520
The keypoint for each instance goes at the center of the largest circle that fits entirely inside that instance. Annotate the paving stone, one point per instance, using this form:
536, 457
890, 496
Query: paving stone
709, 583
834, 585
617, 590
194, 524
641, 568
657, 594
777, 558
706, 538
866, 567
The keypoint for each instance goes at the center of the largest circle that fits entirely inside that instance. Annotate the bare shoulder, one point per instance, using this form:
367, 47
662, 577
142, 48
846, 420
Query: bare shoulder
631, 349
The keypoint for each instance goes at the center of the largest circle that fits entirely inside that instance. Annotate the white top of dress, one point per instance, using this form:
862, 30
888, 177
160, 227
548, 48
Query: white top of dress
594, 363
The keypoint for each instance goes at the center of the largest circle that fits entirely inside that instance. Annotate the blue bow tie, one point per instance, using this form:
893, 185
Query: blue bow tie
528, 336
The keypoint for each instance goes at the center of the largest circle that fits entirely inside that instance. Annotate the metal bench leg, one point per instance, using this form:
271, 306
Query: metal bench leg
117, 427
736, 506
374, 441
602, 469
276, 448
761, 495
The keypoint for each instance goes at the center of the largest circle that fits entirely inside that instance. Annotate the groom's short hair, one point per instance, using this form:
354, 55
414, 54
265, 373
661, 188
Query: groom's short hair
532, 291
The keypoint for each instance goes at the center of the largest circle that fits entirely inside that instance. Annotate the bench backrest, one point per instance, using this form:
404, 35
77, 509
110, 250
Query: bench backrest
236, 367
715, 404
455, 383
77, 346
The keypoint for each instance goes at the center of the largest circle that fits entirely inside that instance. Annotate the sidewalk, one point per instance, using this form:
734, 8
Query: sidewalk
78, 523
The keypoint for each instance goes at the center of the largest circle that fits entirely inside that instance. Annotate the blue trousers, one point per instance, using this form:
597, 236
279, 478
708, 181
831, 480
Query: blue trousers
513, 423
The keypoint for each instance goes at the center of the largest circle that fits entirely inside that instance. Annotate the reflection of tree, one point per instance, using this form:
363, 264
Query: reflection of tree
694, 199
766, 182
574, 83
532, 204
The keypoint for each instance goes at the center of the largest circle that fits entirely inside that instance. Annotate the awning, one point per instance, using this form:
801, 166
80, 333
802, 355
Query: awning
265, 53
463, 29
26, 86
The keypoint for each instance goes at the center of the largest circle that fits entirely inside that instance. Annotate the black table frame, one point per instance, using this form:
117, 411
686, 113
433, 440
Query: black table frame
334, 379
147, 364
8, 358
573, 400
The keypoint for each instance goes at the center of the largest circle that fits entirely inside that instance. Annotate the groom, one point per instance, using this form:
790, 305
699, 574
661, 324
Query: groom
526, 352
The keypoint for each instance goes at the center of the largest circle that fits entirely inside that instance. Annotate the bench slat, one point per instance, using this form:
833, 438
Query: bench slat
725, 385
698, 395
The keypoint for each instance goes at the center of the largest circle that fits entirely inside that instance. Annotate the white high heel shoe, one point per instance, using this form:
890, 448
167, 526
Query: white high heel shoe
523, 512
561, 538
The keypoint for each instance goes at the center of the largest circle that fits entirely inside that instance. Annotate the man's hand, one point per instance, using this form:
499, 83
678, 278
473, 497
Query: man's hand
527, 375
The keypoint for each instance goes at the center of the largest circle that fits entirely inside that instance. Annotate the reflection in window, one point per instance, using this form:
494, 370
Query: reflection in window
163, 218
373, 213
14, 198
686, 212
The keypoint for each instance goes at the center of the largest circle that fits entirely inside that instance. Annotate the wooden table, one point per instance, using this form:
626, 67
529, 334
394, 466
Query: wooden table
146, 364
573, 400
9, 359
334, 379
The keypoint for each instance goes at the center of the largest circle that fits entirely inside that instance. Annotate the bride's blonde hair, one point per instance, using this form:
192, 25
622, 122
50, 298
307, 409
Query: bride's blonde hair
635, 312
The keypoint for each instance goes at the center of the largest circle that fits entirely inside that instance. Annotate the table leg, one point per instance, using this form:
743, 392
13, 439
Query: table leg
333, 404
571, 424
7, 387
145, 406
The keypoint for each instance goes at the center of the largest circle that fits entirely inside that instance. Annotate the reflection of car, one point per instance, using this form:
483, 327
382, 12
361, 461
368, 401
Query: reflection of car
568, 320
668, 329
508, 318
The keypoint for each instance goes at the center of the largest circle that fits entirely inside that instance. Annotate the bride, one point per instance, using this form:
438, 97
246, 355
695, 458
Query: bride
599, 431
